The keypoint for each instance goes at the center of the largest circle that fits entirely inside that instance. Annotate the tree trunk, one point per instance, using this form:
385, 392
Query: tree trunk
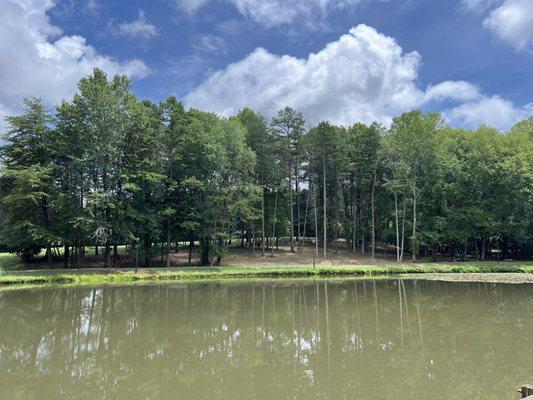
65, 255
483, 247
191, 245
262, 221
373, 216
354, 222
147, 247
397, 227
80, 255
414, 241
305, 221
363, 241
49, 255
204, 250
316, 223
403, 231
451, 250
107, 252
292, 215
253, 237
297, 187
169, 238
347, 204
115, 255
213, 244
274, 224
335, 225
324, 217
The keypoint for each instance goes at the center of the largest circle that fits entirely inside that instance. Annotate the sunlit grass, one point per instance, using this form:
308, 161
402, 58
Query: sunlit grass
289, 271
10, 262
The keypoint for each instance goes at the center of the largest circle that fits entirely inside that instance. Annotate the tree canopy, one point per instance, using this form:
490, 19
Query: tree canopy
106, 169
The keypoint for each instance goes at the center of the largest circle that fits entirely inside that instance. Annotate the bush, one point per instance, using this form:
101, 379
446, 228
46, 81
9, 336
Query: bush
29, 253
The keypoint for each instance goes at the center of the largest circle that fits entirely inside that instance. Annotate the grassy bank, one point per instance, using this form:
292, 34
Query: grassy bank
99, 277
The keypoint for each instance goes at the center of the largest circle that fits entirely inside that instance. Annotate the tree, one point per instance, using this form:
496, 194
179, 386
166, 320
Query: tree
289, 125
217, 178
362, 146
413, 139
173, 128
258, 138
107, 169
97, 119
28, 194
324, 147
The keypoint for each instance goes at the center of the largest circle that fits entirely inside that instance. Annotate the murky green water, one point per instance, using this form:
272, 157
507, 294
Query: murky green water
278, 340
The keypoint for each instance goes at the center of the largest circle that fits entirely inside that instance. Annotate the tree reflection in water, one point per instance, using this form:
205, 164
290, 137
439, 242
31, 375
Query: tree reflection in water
271, 340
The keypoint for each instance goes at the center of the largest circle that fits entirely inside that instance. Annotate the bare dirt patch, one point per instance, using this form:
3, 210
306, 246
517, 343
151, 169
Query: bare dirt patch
478, 277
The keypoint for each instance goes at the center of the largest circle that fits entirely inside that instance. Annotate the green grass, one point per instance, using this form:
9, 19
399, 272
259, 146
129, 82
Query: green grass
10, 262
88, 277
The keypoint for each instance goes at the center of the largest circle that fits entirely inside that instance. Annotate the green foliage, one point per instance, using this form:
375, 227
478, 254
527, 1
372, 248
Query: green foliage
109, 169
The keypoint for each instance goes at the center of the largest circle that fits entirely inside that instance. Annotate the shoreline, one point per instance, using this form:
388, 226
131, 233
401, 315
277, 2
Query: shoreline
467, 272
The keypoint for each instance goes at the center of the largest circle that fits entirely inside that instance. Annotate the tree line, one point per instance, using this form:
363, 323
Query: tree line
106, 169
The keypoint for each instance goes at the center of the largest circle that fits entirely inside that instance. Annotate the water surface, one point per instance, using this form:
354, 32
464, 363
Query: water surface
384, 339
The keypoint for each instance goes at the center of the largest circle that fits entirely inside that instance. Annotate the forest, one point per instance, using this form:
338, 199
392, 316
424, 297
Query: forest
105, 169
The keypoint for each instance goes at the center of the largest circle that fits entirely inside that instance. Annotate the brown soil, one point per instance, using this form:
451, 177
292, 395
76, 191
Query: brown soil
481, 277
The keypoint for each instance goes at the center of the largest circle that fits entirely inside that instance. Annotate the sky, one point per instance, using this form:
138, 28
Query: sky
345, 61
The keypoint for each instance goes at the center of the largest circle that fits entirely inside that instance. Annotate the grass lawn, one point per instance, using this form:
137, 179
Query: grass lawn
11, 262
238, 264
118, 276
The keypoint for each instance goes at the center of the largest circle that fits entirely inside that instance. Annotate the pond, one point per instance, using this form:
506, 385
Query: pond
351, 339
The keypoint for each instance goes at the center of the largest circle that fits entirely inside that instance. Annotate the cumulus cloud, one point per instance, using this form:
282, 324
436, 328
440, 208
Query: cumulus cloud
493, 111
363, 76
37, 60
509, 20
271, 13
140, 28
451, 90
513, 23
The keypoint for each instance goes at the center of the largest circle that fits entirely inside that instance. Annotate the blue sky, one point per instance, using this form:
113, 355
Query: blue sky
472, 60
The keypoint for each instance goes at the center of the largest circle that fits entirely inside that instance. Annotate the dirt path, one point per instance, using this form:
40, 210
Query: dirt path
480, 277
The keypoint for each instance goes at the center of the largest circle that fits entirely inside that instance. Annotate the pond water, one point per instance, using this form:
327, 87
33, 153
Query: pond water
384, 339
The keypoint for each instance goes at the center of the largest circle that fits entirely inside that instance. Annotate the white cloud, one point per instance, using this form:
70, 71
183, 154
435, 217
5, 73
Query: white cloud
207, 43
37, 60
451, 90
478, 5
271, 13
363, 76
189, 6
140, 28
493, 111
513, 23
92, 5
